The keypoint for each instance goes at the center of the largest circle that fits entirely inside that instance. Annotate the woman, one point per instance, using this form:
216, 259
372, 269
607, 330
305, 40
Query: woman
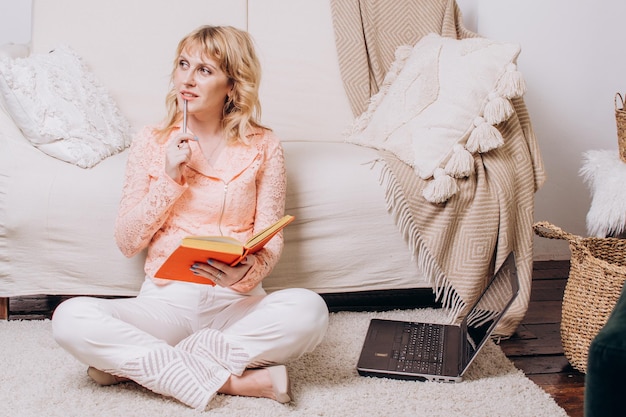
224, 176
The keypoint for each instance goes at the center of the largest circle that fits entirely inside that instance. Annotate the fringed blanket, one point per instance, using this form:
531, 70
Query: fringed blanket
461, 240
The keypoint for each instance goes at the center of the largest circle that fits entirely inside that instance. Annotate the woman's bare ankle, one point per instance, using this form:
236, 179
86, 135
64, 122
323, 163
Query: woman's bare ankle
252, 383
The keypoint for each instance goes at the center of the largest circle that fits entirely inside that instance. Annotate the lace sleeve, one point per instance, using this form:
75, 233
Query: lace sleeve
148, 195
271, 194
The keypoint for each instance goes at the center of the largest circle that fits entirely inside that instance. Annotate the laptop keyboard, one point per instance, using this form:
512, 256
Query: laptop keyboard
418, 348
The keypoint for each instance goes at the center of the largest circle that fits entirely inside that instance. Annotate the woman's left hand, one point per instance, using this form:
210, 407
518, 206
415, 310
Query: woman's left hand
223, 274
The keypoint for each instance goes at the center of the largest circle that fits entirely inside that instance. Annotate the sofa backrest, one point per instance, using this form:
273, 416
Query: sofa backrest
129, 45
302, 92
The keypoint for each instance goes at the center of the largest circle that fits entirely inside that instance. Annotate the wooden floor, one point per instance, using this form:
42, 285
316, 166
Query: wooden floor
535, 348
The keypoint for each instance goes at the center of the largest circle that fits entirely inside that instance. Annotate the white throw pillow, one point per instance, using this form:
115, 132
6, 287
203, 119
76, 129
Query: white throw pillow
438, 105
61, 108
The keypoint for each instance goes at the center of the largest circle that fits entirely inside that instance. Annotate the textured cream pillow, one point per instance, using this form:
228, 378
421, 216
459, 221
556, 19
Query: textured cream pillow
61, 108
439, 103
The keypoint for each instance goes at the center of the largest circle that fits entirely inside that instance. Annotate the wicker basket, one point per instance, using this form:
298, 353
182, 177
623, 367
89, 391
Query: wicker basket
620, 119
597, 274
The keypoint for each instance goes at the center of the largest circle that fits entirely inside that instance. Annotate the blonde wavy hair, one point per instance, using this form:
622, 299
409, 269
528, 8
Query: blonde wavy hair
234, 52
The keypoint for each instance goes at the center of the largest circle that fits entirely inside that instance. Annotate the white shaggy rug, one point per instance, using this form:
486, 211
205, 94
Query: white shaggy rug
39, 379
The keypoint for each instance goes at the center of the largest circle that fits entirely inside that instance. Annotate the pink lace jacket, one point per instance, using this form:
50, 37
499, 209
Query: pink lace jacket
242, 193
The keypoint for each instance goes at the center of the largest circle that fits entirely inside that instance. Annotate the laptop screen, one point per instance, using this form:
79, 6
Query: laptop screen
491, 305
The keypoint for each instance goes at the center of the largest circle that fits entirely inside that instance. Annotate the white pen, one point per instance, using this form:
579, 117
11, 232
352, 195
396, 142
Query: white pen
184, 116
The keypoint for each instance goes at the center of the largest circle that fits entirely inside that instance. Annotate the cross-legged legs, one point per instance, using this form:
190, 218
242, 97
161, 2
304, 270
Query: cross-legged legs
190, 341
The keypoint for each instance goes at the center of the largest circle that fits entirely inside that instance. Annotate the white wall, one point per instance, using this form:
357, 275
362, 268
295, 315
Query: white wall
573, 64
469, 9
573, 61
15, 17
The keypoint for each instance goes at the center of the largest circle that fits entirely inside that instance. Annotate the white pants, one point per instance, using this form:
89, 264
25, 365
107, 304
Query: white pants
185, 340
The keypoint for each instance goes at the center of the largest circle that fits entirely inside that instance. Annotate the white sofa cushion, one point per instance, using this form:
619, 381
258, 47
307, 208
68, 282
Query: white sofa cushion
57, 221
129, 45
61, 108
343, 238
302, 91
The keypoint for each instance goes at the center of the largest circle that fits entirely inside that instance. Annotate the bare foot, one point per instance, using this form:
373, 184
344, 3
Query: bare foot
104, 378
272, 383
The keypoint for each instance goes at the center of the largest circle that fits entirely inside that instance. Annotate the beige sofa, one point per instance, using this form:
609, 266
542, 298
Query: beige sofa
56, 231
431, 217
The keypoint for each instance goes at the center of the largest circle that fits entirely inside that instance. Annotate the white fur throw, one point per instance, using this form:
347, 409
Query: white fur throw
605, 174
439, 104
61, 108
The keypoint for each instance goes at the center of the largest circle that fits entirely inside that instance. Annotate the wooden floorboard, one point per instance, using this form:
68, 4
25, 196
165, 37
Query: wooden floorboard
567, 389
535, 348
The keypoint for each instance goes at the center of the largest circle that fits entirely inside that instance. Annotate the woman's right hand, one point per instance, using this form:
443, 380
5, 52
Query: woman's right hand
178, 153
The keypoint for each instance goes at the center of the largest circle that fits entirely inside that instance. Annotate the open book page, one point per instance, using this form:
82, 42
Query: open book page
216, 243
259, 240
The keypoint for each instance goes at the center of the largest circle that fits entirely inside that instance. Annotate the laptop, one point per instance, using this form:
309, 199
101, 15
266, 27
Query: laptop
438, 352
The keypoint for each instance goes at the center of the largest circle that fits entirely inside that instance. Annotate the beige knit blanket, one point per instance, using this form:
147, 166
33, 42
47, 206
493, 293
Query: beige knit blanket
458, 244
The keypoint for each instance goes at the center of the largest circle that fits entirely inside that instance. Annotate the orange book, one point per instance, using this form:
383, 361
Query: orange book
223, 248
